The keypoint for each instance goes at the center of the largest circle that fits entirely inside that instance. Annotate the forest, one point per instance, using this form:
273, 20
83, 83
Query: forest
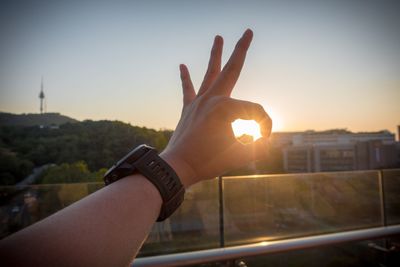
81, 149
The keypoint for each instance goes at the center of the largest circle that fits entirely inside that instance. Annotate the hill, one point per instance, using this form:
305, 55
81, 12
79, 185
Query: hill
27, 120
86, 146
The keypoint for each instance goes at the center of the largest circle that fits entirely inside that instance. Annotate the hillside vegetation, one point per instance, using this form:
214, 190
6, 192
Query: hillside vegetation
91, 145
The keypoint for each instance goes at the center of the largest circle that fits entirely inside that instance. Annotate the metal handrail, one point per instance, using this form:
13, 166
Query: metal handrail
236, 252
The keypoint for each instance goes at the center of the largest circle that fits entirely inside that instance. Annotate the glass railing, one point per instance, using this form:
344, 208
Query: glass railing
21, 206
391, 192
194, 226
271, 207
229, 211
348, 254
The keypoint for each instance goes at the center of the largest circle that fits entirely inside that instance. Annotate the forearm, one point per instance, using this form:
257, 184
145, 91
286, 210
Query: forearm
106, 228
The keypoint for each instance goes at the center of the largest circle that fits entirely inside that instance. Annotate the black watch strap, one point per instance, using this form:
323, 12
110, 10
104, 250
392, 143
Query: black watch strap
145, 160
158, 172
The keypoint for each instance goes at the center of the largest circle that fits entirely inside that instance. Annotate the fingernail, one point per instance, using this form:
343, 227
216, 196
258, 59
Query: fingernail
248, 33
217, 38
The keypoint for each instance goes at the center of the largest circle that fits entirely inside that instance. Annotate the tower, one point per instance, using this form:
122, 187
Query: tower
41, 96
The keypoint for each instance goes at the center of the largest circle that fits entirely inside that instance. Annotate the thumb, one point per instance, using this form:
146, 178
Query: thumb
258, 149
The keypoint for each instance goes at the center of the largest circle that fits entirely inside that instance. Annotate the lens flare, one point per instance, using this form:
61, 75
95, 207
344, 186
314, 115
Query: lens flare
246, 131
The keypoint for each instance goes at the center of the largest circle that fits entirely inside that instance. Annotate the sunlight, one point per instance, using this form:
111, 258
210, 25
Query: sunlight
246, 131
277, 123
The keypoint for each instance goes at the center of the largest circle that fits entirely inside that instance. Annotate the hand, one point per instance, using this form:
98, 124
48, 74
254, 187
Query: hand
203, 145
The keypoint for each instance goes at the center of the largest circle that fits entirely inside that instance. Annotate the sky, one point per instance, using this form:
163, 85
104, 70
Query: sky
312, 64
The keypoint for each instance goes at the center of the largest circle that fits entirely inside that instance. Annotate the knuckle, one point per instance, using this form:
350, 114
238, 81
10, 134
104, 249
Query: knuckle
258, 107
212, 72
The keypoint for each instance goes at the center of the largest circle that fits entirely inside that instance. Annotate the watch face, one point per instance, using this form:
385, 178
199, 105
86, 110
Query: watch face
124, 167
132, 156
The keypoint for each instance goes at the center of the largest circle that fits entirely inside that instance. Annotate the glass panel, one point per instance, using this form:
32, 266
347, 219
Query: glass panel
391, 187
194, 226
25, 205
258, 208
351, 254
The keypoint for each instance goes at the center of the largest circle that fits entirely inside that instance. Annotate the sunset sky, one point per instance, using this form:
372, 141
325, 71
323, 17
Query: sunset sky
312, 65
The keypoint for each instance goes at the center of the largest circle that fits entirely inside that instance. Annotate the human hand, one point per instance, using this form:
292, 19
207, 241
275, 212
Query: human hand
203, 145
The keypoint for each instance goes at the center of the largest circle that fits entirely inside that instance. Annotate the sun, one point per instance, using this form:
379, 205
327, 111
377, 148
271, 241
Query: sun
246, 131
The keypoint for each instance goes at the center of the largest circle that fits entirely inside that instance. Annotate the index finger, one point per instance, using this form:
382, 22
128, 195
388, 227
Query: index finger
230, 74
233, 109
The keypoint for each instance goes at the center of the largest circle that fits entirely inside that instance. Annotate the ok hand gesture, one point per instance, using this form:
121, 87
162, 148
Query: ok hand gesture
203, 145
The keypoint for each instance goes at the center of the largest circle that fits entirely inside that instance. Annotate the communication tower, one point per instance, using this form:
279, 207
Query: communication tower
41, 96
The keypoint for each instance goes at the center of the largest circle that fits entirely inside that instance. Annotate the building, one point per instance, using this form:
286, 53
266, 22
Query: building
337, 150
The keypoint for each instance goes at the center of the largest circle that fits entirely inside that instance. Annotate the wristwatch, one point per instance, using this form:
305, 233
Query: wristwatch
145, 160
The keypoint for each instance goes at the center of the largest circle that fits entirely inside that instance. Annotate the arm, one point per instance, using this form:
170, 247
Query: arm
108, 227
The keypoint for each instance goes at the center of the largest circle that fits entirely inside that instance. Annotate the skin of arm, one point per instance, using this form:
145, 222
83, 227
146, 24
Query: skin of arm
103, 229
108, 227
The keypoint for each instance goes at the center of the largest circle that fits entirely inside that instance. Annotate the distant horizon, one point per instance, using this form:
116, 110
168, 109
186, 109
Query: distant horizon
165, 128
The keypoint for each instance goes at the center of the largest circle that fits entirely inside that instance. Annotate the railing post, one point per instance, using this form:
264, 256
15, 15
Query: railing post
221, 212
383, 205
382, 198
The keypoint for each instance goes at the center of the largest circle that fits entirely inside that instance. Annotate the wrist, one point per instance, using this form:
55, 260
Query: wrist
147, 188
181, 167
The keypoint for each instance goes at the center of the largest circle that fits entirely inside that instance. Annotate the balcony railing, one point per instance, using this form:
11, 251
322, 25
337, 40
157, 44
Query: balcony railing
228, 217
264, 248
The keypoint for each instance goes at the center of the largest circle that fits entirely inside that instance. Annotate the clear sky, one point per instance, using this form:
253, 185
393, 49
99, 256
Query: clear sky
312, 65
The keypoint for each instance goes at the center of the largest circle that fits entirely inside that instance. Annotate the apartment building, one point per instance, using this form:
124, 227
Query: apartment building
336, 150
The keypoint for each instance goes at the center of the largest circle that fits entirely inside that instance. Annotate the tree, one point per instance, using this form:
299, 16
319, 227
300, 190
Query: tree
77, 172
12, 168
